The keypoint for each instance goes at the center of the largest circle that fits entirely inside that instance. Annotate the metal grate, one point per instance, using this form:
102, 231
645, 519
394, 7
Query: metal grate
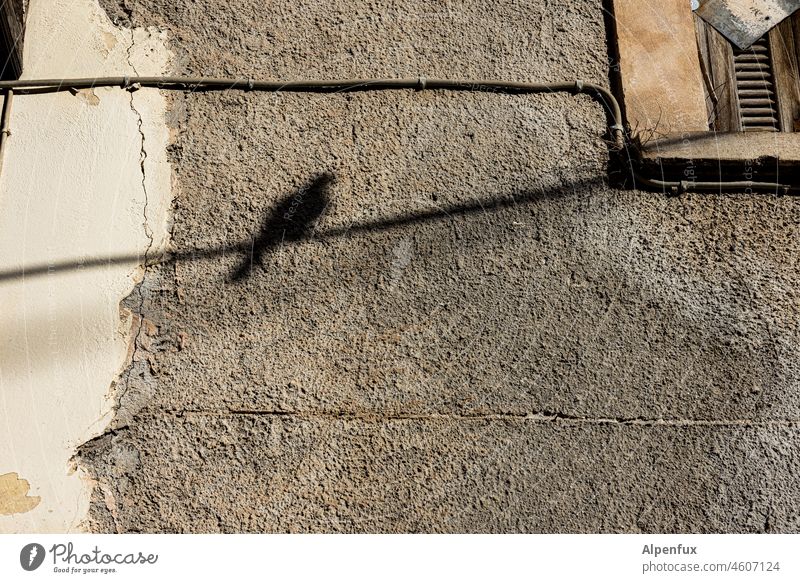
755, 87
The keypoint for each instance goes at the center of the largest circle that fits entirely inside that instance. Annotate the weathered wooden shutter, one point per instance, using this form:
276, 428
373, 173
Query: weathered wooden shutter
756, 89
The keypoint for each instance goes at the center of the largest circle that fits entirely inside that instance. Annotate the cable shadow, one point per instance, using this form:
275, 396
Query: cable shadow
294, 219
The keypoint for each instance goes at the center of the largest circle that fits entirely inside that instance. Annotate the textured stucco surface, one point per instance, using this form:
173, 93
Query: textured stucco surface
80, 205
461, 327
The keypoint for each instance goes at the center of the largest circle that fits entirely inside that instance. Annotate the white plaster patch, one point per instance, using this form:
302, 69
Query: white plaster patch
71, 193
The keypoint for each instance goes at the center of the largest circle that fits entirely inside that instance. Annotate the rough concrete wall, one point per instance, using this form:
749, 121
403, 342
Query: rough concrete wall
84, 195
451, 323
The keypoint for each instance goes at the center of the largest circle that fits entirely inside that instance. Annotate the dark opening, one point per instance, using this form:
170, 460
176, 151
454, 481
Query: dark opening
12, 28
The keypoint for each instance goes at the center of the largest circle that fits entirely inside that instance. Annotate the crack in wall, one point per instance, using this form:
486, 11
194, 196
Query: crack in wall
137, 297
138, 291
134, 380
533, 416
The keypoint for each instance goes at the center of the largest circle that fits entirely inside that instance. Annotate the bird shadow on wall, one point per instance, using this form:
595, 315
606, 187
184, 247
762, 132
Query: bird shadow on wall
295, 219
292, 220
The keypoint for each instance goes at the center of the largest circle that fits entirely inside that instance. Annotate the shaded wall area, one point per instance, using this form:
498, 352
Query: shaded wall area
429, 312
13, 15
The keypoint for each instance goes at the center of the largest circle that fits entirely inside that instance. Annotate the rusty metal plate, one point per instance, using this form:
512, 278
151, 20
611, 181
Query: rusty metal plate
743, 22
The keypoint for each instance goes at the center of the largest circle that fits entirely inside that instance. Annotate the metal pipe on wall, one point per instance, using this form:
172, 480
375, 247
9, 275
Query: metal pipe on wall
5, 130
599, 93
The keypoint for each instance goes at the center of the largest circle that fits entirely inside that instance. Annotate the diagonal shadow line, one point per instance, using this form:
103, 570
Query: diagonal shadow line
293, 220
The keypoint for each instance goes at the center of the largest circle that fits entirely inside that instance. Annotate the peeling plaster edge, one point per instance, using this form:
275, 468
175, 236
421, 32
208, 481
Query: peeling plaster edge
148, 231
131, 321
